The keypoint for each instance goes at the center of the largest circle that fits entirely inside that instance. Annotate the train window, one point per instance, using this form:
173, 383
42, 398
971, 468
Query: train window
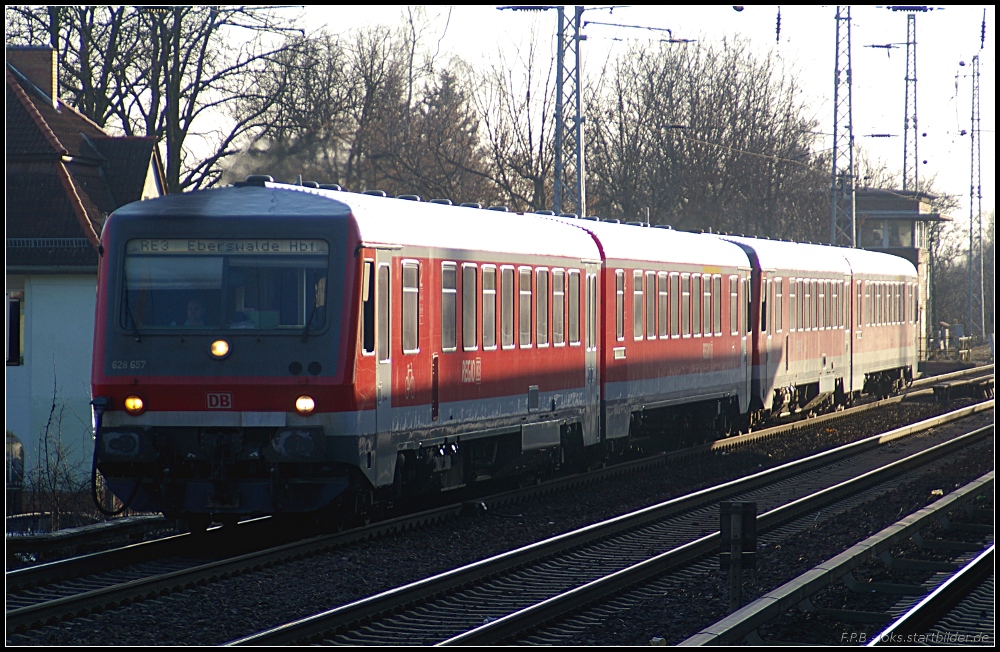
489, 307
859, 307
620, 304
778, 295
507, 307
591, 310
749, 305
469, 294
411, 306
821, 305
542, 307
763, 305
674, 310
868, 303
651, 305
368, 308
558, 307
449, 307
706, 303
574, 306
524, 306
685, 305
225, 284
717, 304
814, 315
664, 303
382, 312
734, 303
835, 304
637, 304
792, 323
696, 305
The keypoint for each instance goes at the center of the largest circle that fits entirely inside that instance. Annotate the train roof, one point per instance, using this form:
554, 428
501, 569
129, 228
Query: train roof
799, 256
383, 220
646, 244
863, 261
806, 257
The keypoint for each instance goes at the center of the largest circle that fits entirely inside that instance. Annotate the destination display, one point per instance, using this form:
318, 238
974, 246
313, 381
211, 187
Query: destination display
196, 246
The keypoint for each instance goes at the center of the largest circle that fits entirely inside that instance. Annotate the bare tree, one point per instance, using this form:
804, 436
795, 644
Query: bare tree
170, 72
706, 137
516, 106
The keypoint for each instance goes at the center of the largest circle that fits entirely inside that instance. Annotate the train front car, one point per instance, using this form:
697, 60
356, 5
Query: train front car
218, 333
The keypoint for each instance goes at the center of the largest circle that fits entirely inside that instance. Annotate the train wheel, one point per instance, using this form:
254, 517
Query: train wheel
196, 524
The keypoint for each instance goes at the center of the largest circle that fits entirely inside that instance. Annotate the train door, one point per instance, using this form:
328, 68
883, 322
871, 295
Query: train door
767, 335
746, 306
845, 316
592, 395
383, 341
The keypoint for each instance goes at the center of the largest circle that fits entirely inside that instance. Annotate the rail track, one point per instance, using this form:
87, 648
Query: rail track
51, 592
498, 599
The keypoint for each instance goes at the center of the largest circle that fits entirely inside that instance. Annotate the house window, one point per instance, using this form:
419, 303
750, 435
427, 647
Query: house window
15, 328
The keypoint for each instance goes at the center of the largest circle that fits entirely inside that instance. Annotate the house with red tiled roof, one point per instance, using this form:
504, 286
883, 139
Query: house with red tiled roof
65, 175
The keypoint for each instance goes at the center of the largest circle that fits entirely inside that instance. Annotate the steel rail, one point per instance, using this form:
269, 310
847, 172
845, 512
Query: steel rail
399, 597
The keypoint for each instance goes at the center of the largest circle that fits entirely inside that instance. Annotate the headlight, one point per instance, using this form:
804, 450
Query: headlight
219, 349
134, 405
305, 405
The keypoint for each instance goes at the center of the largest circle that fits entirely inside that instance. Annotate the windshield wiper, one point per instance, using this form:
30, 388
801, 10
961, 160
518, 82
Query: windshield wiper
128, 309
305, 331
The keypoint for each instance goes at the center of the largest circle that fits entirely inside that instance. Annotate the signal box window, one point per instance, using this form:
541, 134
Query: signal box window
411, 306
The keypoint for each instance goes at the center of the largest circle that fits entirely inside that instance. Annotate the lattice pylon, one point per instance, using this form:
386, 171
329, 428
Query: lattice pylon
977, 313
570, 168
842, 196
911, 178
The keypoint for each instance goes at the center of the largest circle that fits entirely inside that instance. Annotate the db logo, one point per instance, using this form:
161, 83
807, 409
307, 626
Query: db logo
220, 401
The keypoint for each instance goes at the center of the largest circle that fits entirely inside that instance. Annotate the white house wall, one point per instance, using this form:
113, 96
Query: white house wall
58, 345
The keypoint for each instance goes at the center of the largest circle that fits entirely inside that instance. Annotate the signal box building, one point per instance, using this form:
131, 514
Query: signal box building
65, 175
901, 222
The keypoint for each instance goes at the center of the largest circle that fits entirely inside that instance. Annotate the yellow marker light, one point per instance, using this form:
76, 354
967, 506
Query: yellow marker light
305, 405
219, 349
134, 405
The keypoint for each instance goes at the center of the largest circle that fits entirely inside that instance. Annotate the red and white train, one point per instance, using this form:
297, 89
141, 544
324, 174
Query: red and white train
268, 349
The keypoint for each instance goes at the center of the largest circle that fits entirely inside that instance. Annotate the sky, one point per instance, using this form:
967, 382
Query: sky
946, 37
